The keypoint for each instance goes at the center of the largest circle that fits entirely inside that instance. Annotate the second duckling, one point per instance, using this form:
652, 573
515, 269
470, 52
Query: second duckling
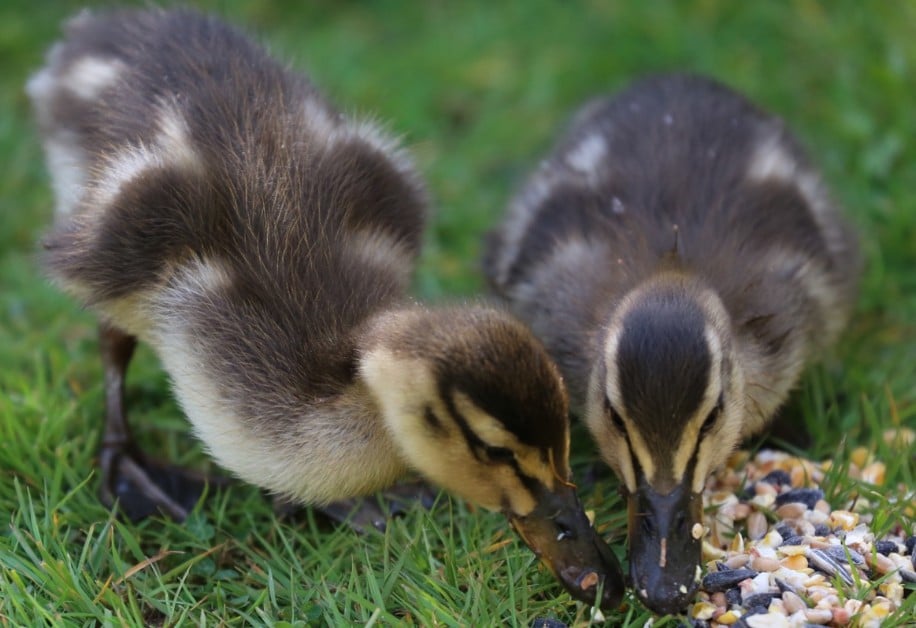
215, 206
682, 261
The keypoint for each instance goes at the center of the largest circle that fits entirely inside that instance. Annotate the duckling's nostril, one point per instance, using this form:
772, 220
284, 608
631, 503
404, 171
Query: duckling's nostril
565, 530
680, 523
647, 525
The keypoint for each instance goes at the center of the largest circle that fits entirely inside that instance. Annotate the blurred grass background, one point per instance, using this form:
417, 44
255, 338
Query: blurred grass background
479, 90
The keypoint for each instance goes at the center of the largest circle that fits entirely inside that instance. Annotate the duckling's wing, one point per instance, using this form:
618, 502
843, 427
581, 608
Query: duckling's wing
172, 137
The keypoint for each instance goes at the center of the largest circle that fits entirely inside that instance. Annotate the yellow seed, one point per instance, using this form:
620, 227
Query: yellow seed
874, 473
702, 610
793, 550
815, 580
795, 563
727, 618
892, 591
844, 519
711, 552
859, 456
772, 539
737, 544
881, 609
799, 476
802, 472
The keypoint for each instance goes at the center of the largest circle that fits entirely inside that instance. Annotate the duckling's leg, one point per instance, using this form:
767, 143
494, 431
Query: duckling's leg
139, 488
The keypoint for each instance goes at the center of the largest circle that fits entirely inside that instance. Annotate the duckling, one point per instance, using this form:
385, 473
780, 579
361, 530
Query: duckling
214, 205
682, 261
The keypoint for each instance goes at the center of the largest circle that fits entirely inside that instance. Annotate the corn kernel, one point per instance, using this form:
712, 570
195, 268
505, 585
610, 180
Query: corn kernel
859, 456
795, 563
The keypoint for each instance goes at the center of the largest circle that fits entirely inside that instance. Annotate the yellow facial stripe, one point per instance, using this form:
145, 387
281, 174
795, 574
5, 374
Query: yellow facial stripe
493, 433
611, 443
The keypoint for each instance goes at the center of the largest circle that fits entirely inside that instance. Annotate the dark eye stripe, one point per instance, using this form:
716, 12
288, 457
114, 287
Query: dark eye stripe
708, 424
499, 454
433, 422
617, 422
616, 419
480, 449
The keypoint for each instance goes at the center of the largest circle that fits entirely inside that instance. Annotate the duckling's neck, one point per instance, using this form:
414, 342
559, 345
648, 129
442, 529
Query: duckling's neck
394, 369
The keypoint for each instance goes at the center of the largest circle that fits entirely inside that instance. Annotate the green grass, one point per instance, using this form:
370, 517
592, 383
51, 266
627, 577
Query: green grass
479, 90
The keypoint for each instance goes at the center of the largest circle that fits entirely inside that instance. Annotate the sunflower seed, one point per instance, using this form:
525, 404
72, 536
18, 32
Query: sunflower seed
777, 477
840, 554
885, 547
807, 496
733, 597
758, 599
825, 563
724, 580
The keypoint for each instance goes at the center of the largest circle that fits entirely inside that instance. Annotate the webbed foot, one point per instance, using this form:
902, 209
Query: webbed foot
142, 489
363, 513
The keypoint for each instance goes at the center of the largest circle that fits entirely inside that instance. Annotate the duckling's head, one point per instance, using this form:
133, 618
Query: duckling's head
665, 405
476, 405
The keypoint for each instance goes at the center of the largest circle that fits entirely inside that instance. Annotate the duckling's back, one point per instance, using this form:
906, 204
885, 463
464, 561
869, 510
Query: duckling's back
206, 192
676, 171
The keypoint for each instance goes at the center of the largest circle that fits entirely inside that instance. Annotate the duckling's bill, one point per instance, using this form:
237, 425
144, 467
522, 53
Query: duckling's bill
560, 534
664, 552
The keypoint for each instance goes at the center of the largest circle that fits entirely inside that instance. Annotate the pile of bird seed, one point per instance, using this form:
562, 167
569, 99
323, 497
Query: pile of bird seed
778, 555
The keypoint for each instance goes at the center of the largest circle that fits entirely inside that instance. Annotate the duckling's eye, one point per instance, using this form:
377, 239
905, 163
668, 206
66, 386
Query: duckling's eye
499, 454
615, 416
711, 419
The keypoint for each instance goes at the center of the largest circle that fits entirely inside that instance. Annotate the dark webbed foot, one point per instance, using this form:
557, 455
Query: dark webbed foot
402, 496
363, 513
360, 513
142, 489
